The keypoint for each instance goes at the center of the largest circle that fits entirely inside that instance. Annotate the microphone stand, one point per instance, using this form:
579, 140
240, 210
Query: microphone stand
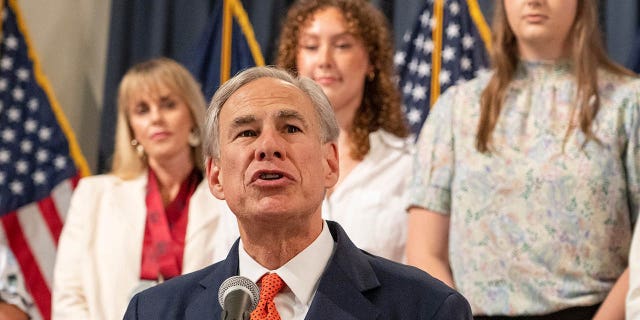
227, 316
237, 298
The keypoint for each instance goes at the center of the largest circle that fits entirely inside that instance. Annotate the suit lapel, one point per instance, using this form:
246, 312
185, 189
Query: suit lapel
340, 293
206, 305
348, 275
337, 298
129, 204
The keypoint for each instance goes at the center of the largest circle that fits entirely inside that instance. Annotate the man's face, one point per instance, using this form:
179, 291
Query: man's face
272, 165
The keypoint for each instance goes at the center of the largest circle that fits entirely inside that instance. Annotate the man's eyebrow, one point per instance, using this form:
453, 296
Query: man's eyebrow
292, 114
242, 120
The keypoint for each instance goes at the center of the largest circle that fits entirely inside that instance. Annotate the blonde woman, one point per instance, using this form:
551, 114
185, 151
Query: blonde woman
152, 217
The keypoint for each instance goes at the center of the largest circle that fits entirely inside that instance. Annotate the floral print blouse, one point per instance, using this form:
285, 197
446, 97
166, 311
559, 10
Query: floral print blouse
539, 224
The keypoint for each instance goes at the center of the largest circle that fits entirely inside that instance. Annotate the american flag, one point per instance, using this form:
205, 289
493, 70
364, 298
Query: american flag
446, 45
40, 162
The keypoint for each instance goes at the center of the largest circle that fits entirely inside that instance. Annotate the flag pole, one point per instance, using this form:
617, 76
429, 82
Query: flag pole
2, 24
436, 58
225, 55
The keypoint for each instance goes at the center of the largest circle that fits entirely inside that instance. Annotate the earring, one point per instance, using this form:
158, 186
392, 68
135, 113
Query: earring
194, 138
371, 75
139, 148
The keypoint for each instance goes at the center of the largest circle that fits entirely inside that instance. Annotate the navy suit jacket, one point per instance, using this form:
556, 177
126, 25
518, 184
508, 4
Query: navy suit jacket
354, 285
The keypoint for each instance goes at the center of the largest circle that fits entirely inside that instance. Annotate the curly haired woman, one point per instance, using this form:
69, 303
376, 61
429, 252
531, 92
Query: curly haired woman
345, 46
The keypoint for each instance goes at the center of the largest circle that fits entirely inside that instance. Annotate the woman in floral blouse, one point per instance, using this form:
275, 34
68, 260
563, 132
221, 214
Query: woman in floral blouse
527, 179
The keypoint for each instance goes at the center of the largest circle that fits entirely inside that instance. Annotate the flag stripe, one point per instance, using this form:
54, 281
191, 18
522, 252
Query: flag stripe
61, 195
39, 238
35, 313
34, 279
51, 218
74, 181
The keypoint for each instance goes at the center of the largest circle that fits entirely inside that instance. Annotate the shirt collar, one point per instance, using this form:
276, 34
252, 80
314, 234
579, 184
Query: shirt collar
302, 273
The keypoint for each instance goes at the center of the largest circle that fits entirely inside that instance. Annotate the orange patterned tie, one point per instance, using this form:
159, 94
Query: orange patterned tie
271, 284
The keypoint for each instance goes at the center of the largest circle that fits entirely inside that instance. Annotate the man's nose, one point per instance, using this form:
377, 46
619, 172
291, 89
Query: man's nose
270, 146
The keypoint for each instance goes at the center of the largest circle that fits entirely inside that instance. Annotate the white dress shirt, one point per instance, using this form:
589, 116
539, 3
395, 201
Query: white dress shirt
370, 202
301, 275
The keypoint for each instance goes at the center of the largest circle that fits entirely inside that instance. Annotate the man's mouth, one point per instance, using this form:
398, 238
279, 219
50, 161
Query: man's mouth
270, 176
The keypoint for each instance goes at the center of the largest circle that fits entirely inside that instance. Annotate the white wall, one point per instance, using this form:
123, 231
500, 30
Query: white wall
70, 39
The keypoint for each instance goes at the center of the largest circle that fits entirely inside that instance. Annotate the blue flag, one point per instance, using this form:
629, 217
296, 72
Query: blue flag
447, 44
228, 46
40, 162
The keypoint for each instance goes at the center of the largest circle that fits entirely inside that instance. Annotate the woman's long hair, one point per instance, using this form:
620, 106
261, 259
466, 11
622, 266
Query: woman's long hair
381, 105
127, 164
587, 54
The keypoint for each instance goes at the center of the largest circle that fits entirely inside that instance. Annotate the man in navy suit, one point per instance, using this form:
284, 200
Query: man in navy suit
272, 154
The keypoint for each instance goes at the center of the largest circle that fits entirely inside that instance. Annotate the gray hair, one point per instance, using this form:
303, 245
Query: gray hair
328, 123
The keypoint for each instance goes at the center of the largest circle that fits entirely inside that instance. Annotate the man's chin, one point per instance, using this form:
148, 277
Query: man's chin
275, 208
269, 219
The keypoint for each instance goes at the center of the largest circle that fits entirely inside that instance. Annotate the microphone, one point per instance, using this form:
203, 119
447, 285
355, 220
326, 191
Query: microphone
238, 296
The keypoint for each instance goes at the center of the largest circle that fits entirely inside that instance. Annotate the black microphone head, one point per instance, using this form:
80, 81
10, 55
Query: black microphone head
239, 283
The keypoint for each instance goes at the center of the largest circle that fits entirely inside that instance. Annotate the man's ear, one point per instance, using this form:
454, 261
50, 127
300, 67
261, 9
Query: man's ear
331, 165
214, 179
